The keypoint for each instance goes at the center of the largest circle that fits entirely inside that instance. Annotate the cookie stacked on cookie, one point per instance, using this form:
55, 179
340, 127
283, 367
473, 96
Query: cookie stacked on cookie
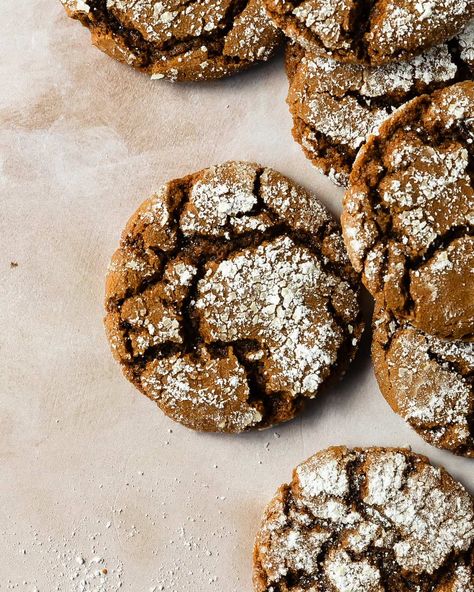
351, 64
408, 224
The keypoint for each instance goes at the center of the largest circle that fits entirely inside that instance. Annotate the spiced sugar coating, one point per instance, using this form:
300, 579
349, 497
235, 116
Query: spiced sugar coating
178, 39
370, 32
231, 301
373, 519
427, 380
409, 212
336, 106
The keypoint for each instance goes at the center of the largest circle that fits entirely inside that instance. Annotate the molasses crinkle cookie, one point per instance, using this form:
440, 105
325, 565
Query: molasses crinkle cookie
428, 381
409, 213
367, 520
371, 33
335, 106
231, 299
178, 39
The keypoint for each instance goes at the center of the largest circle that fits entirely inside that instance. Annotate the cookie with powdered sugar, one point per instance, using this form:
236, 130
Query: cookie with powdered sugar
409, 213
231, 300
367, 520
335, 106
370, 33
179, 39
426, 380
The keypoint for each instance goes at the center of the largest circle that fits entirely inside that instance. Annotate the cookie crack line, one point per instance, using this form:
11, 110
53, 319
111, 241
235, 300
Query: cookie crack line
236, 244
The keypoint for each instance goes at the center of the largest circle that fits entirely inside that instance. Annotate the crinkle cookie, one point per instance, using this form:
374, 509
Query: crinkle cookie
231, 300
409, 213
370, 33
428, 381
367, 520
336, 106
180, 39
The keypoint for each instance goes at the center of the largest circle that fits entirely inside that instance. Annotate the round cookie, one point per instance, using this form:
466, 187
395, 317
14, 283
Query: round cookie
428, 381
180, 40
335, 106
408, 213
231, 300
374, 520
374, 33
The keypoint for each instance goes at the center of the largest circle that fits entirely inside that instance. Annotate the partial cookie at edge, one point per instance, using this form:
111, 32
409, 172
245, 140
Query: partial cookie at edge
391, 32
375, 519
428, 381
180, 41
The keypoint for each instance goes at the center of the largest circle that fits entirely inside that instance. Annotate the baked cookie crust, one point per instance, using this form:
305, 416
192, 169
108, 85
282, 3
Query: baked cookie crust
231, 301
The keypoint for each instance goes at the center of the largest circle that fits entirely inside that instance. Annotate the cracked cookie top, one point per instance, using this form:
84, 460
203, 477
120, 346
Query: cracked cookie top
231, 300
370, 32
426, 380
179, 39
335, 106
409, 212
375, 519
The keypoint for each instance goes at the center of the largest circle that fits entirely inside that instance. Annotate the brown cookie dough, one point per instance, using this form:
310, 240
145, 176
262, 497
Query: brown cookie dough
336, 106
367, 520
373, 32
409, 213
180, 39
428, 381
231, 300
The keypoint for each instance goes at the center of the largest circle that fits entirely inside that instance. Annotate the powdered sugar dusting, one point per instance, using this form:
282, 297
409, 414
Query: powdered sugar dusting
347, 575
262, 296
231, 285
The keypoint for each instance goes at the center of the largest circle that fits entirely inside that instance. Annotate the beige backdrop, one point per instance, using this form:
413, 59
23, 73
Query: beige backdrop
93, 477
